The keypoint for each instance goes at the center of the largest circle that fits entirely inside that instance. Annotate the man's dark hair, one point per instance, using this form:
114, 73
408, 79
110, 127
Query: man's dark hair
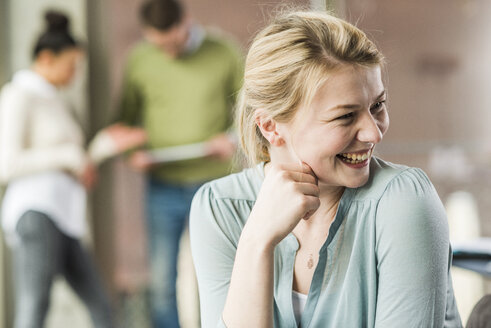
161, 14
56, 36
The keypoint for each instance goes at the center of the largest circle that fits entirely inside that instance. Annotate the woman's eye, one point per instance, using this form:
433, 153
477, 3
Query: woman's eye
377, 106
346, 116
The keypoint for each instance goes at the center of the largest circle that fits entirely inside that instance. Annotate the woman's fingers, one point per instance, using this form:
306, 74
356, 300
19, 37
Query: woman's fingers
302, 177
311, 204
289, 193
296, 167
307, 188
296, 172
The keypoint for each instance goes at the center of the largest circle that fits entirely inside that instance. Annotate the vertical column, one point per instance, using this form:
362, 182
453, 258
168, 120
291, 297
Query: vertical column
99, 84
5, 293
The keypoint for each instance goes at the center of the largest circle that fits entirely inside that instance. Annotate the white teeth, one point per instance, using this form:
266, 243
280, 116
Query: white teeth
356, 158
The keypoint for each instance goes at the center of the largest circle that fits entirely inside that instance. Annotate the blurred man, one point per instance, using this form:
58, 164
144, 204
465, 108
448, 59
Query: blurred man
180, 85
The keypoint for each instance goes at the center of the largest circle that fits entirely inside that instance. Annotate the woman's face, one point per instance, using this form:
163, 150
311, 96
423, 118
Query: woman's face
336, 135
64, 65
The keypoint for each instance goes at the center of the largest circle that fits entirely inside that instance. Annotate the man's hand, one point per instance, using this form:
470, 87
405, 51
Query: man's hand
141, 161
221, 146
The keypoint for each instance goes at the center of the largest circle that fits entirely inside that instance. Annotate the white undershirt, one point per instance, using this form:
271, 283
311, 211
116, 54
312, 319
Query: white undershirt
298, 300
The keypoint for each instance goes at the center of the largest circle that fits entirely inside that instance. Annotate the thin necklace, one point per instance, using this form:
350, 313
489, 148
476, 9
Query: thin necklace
310, 262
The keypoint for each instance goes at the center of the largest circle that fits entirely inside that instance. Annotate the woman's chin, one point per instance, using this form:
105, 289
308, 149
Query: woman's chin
351, 182
357, 183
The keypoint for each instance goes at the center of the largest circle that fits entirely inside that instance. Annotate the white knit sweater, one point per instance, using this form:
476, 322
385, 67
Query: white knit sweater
41, 153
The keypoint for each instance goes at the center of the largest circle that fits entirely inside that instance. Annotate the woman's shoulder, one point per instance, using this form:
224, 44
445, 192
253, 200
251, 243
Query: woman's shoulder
409, 212
13, 95
243, 185
11, 89
221, 207
386, 176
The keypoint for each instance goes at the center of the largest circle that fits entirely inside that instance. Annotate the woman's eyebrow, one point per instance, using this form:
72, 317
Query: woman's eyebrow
355, 106
381, 95
345, 106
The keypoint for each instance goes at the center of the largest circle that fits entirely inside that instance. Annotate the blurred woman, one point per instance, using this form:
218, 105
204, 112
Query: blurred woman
320, 233
48, 170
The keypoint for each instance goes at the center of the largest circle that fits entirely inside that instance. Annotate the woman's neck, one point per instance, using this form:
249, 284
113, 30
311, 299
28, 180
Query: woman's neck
325, 214
44, 72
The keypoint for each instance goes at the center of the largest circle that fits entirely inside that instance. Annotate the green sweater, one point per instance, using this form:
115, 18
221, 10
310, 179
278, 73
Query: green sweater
182, 101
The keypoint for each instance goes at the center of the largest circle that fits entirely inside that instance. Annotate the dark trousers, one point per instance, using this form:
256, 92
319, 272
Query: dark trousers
167, 214
43, 253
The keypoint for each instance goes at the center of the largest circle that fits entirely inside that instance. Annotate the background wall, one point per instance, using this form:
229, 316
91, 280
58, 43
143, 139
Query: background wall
438, 71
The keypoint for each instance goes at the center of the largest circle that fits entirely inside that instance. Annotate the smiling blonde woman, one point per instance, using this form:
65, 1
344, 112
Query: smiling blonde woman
320, 233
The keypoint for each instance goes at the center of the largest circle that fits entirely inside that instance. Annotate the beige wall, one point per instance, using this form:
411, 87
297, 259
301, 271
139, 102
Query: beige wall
438, 70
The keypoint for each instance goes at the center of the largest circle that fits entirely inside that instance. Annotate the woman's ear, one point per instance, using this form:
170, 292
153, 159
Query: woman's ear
268, 128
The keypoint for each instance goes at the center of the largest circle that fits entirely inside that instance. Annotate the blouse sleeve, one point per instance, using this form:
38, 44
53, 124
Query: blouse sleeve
17, 158
413, 256
102, 147
213, 247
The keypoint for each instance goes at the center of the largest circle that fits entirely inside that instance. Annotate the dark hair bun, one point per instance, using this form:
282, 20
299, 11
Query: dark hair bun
56, 37
56, 21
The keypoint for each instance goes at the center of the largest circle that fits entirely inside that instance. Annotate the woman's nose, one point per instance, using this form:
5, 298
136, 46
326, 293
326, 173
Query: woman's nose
369, 130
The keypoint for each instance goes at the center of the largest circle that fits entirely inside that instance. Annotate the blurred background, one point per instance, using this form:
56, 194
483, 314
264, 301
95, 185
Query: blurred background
439, 82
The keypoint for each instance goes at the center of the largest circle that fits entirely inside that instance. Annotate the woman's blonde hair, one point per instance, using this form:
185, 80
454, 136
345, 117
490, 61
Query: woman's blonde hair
287, 63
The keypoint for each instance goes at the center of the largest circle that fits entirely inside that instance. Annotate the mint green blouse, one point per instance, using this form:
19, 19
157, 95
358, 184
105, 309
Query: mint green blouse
385, 263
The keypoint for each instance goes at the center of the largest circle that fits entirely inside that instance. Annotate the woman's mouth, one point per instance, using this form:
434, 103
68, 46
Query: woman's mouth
356, 158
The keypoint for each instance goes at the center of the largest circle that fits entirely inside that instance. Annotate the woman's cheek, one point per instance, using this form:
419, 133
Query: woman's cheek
384, 123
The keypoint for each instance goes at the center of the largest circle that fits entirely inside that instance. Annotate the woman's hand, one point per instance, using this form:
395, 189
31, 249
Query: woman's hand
88, 177
126, 137
289, 193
